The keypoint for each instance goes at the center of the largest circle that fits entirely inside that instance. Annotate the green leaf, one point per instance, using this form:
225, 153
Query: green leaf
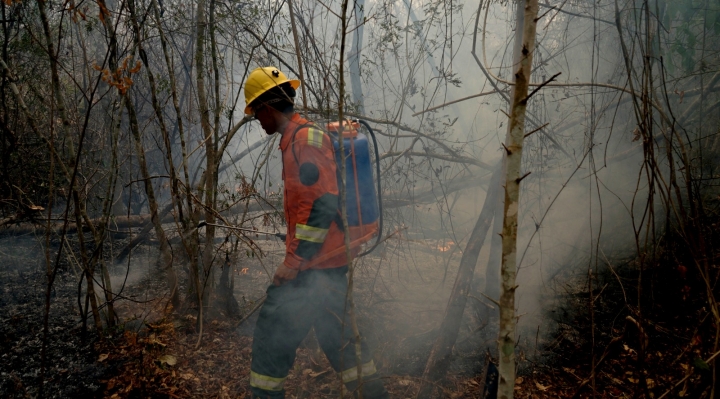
700, 364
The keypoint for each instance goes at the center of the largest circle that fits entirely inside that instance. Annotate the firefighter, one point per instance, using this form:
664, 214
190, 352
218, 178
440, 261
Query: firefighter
310, 285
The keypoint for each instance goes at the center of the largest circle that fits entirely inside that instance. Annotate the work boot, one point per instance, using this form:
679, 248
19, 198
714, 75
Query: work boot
373, 388
260, 394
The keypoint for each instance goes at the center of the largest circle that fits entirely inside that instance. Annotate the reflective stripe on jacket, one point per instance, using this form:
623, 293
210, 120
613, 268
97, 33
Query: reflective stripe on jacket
311, 198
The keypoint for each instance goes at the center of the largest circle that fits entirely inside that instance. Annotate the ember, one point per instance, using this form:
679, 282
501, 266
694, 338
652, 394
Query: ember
446, 247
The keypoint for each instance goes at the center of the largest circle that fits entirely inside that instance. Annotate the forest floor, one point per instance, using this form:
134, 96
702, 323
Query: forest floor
634, 352
72, 369
605, 346
398, 310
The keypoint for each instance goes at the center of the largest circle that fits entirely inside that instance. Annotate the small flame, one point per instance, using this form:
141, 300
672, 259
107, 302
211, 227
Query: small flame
445, 248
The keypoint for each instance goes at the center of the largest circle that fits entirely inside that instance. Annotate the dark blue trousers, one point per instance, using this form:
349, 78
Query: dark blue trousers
316, 298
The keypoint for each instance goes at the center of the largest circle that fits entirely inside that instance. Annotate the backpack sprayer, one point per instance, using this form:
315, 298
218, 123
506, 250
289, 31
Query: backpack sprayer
363, 193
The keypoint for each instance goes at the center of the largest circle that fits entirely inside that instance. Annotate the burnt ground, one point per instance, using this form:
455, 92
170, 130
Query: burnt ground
605, 345
400, 295
153, 352
72, 370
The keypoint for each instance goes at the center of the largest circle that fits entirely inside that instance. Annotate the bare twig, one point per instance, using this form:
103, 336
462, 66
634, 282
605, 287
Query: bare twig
708, 360
536, 130
254, 309
560, 9
487, 93
541, 85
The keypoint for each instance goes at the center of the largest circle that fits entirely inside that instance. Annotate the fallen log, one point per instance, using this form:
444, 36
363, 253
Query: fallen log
440, 354
117, 223
13, 226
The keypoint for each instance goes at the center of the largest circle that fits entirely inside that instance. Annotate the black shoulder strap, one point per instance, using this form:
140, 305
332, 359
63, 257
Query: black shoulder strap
338, 218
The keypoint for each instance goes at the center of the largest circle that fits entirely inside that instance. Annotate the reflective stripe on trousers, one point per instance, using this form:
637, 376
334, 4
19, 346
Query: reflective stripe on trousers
265, 382
351, 374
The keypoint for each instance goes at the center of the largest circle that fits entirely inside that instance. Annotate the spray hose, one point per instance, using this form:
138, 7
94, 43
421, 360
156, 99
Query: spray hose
224, 226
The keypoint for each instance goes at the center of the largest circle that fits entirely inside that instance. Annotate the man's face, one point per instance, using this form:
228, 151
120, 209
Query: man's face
267, 118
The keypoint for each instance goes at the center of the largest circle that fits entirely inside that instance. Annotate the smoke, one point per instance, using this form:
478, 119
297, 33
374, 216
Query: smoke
579, 204
21, 253
583, 201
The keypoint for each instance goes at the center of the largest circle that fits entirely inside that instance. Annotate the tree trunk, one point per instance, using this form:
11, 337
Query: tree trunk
88, 268
55, 77
440, 353
354, 58
524, 48
166, 257
492, 273
209, 177
296, 39
349, 300
101, 232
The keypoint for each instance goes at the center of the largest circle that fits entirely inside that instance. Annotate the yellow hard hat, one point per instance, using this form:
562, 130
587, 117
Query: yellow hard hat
262, 80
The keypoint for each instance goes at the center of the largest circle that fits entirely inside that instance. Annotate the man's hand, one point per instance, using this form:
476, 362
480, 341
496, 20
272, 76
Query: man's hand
284, 274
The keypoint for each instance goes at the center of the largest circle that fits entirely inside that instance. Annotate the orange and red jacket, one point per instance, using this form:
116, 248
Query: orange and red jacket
314, 239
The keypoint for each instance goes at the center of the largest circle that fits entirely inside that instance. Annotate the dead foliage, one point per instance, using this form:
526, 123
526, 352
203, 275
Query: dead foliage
161, 361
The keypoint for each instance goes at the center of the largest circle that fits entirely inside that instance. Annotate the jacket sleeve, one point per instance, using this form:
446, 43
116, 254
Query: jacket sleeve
315, 192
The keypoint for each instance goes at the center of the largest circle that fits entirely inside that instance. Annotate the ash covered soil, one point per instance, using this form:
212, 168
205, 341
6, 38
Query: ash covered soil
400, 296
72, 370
400, 293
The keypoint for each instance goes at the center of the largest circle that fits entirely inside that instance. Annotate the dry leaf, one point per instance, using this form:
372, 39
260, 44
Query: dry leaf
137, 67
314, 375
131, 337
170, 360
152, 340
102, 357
542, 387
518, 380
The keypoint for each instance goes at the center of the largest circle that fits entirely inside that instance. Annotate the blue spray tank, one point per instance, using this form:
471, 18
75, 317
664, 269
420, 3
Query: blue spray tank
363, 201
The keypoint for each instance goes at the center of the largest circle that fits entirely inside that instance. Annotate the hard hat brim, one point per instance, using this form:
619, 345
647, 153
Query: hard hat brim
294, 83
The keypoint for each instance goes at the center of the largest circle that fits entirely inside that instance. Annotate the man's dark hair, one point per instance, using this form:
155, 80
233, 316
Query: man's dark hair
280, 97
